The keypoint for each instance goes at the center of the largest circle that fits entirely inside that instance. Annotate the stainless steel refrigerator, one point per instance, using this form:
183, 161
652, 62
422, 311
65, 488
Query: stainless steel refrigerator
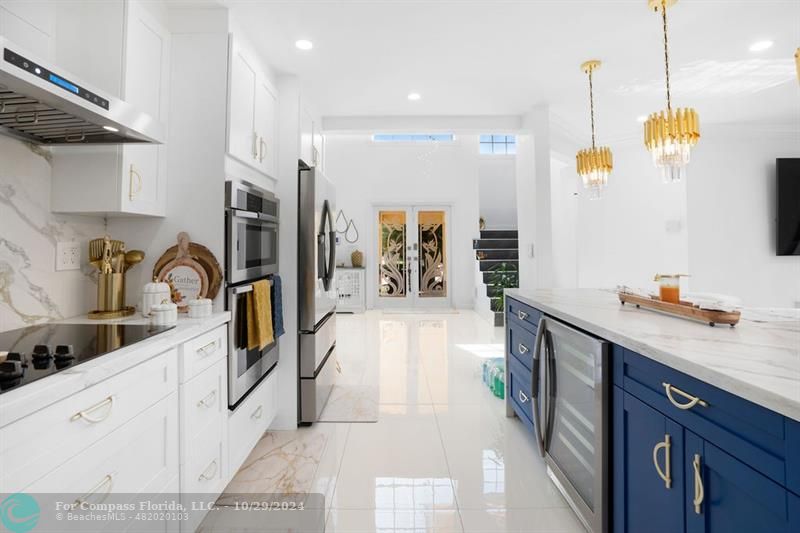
317, 365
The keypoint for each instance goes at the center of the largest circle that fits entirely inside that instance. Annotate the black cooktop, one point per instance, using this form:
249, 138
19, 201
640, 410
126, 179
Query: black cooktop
38, 351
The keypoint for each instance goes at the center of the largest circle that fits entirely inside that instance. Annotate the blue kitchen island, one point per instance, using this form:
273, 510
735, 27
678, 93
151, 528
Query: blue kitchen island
650, 423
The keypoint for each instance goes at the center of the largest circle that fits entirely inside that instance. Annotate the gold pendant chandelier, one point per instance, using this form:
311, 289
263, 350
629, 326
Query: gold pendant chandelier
670, 134
594, 164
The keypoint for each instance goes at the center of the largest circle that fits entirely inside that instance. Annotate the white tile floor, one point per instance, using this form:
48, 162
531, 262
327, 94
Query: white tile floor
443, 456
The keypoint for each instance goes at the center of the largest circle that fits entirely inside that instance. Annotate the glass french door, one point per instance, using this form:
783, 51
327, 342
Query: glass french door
412, 269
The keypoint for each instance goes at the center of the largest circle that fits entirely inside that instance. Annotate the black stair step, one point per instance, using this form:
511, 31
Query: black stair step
495, 244
490, 264
499, 319
497, 254
496, 304
493, 291
499, 234
487, 278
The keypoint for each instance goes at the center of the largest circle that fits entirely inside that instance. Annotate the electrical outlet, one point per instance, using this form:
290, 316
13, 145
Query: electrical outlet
68, 255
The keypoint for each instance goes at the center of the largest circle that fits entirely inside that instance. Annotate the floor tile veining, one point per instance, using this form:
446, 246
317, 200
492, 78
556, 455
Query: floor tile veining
442, 456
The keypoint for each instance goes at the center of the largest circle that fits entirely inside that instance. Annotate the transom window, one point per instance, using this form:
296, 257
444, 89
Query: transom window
498, 144
413, 137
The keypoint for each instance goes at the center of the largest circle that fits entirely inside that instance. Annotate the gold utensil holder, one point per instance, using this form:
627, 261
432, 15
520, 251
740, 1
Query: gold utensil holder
111, 297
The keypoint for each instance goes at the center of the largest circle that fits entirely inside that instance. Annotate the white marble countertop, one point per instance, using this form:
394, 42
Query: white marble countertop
758, 360
22, 401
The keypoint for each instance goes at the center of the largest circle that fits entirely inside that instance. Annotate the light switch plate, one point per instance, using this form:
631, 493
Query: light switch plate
68, 255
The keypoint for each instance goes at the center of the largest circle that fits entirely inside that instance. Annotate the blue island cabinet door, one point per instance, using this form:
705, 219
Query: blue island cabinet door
648, 469
724, 495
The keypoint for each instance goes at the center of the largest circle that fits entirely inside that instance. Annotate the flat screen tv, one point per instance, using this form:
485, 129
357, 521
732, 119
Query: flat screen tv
788, 189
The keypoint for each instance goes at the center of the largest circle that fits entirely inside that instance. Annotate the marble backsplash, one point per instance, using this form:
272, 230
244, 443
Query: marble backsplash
31, 290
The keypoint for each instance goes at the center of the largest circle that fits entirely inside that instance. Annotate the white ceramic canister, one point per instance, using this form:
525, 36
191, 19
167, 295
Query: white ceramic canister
199, 308
153, 294
164, 314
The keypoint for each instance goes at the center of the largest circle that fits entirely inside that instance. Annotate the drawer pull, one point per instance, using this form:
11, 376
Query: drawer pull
205, 476
522, 397
693, 400
257, 413
665, 474
208, 401
204, 351
107, 481
522, 315
522, 349
85, 413
699, 492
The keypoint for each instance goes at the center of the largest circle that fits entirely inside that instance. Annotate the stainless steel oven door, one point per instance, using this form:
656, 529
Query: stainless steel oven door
251, 245
245, 367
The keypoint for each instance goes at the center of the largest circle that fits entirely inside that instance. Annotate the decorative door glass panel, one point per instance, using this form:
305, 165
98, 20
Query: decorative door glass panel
393, 267
432, 269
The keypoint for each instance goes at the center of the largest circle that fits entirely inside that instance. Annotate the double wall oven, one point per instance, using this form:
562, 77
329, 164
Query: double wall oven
251, 254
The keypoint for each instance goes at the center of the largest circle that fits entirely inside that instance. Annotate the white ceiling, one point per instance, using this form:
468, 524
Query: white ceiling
498, 57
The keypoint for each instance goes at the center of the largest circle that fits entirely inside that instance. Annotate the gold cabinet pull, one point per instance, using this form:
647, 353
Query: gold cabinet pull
205, 350
107, 481
262, 149
257, 413
693, 400
254, 149
213, 467
699, 492
134, 190
208, 401
665, 474
85, 413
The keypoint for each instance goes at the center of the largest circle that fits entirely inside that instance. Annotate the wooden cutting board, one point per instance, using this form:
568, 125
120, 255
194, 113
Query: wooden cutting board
682, 310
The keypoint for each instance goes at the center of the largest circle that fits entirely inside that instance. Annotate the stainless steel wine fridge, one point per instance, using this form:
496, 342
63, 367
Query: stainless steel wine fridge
570, 393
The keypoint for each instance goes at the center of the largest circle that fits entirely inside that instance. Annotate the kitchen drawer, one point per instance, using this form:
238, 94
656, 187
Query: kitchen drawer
203, 399
140, 456
250, 420
749, 432
203, 351
523, 314
203, 468
520, 342
519, 391
38, 443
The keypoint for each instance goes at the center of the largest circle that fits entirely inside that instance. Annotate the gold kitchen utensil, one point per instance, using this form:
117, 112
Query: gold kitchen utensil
107, 256
96, 247
132, 258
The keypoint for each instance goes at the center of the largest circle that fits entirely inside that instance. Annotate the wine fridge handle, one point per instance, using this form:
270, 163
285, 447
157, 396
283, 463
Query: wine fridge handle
535, 376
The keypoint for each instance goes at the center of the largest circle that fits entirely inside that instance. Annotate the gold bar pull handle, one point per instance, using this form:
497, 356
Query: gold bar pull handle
699, 492
693, 400
665, 474
134, 183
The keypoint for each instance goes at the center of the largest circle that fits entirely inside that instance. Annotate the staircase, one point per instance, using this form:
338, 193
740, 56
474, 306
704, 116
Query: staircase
495, 250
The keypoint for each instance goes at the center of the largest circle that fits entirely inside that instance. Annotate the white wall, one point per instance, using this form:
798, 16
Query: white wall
564, 198
368, 173
731, 190
497, 189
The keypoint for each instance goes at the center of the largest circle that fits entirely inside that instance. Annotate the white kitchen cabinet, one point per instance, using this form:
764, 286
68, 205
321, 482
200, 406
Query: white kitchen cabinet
252, 112
128, 179
306, 136
248, 422
29, 24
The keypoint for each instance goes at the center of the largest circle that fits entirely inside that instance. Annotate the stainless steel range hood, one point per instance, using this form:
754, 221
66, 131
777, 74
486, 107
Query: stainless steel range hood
41, 104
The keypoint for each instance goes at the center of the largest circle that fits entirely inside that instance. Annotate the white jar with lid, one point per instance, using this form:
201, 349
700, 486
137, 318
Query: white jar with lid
199, 308
153, 294
164, 314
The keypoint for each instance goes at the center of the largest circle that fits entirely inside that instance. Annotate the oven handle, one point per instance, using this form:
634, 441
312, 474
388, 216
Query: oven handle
241, 213
243, 289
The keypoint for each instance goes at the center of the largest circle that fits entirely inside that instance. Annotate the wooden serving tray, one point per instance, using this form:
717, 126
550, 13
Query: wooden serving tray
683, 310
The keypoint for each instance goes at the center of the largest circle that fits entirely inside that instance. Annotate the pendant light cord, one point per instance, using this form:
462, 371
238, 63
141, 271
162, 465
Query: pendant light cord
591, 103
666, 50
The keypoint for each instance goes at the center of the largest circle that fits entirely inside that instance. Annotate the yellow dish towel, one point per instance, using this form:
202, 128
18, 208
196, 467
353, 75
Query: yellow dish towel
259, 316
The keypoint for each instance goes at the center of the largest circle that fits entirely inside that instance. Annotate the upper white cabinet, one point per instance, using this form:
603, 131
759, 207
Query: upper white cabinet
134, 65
31, 25
252, 112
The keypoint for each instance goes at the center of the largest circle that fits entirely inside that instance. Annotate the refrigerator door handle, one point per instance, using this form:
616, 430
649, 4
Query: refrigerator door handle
537, 353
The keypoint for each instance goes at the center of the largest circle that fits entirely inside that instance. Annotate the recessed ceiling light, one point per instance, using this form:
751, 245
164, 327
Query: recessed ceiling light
414, 96
760, 46
304, 44
641, 118
110, 128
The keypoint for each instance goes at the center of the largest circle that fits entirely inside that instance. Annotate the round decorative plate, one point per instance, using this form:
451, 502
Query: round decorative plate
191, 271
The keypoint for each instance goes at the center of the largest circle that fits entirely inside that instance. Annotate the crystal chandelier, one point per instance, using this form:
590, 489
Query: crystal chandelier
594, 164
670, 134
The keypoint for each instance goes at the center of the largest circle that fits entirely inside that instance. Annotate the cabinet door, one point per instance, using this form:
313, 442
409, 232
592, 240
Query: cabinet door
648, 451
242, 140
306, 137
724, 495
29, 25
146, 86
265, 126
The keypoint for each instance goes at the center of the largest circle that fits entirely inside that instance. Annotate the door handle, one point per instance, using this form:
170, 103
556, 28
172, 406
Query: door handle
699, 491
537, 356
665, 474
